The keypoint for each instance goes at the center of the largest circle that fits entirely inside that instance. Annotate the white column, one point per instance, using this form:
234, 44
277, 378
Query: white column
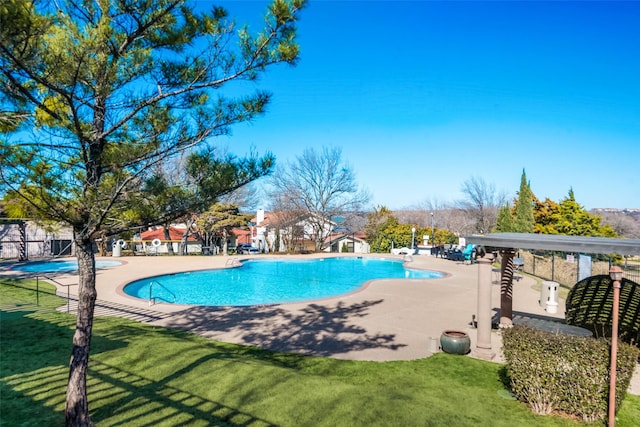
483, 339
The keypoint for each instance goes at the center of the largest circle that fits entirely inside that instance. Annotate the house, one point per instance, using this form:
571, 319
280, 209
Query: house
153, 240
347, 243
240, 236
284, 231
255, 235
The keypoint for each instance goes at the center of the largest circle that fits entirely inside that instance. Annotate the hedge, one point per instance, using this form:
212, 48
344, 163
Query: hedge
569, 374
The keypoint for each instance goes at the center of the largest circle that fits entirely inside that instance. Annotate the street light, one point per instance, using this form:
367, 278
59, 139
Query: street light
432, 230
615, 273
413, 237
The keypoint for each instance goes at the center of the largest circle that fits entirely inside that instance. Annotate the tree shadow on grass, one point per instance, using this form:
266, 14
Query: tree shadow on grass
132, 399
21, 402
314, 329
34, 373
34, 366
31, 340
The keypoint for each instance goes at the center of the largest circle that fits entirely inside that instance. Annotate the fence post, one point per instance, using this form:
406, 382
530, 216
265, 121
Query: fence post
533, 256
553, 266
37, 291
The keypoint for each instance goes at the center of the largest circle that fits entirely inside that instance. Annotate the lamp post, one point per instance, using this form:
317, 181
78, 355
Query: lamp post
432, 230
615, 273
413, 237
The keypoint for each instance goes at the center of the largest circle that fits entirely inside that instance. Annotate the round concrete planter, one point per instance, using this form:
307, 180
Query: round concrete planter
455, 342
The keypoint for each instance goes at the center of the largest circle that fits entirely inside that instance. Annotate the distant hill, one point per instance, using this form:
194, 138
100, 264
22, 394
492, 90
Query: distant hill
626, 222
626, 211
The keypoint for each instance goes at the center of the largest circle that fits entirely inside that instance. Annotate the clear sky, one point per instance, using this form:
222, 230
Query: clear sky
423, 95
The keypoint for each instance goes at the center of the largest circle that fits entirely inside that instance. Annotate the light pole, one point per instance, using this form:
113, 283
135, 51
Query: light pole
432, 231
615, 273
413, 237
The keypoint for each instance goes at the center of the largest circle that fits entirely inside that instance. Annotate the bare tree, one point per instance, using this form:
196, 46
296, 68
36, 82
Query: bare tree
289, 234
456, 220
482, 203
417, 217
354, 222
624, 224
455, 217
433, 205
247, 198
322, 187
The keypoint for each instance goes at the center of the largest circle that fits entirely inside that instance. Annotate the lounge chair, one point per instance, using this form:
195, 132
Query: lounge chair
469, 253
454, 253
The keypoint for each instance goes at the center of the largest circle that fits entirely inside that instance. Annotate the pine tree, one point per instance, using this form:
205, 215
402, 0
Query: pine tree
97, 95
523, 219
504, 222
572, 219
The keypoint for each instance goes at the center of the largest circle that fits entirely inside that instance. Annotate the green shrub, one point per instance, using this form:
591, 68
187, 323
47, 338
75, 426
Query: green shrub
570, 374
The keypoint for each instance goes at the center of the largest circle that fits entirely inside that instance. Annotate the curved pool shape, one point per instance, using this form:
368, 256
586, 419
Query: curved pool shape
61, 266
270, 281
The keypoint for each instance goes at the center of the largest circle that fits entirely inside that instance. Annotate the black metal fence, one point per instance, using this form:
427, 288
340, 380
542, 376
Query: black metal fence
631, 272
566, 268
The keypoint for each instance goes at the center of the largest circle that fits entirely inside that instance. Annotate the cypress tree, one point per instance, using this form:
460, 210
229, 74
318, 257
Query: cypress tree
524, 221
504, 222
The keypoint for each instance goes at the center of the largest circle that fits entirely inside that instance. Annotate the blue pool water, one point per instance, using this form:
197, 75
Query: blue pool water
61, 266
272, 281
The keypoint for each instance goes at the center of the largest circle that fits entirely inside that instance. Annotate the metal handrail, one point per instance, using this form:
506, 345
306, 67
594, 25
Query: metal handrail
57, 283
152, 299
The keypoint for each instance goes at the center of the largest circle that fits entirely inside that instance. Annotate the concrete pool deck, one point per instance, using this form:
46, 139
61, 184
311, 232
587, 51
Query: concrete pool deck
386, 320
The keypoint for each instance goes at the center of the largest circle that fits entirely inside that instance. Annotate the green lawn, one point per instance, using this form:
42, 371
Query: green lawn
140, 375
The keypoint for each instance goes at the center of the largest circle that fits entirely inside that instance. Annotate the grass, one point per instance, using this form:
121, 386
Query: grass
141, 375
563, 290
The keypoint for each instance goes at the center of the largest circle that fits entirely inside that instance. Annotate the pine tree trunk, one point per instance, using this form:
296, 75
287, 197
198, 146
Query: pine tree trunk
77, 409
225, 245
167, 236
184, 250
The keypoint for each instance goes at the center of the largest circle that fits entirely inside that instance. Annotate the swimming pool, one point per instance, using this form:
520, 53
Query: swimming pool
272, 281
60, 266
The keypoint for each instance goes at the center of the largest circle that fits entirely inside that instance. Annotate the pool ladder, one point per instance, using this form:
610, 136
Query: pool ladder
152, 299
233, 262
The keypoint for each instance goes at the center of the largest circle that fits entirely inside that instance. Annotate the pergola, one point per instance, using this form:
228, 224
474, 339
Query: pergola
22, 226
580, 244
549, 242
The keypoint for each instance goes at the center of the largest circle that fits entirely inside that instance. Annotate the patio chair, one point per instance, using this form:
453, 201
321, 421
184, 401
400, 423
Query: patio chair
455, 254
469, 253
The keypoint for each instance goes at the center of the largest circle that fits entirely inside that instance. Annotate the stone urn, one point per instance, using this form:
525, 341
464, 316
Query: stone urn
455, 342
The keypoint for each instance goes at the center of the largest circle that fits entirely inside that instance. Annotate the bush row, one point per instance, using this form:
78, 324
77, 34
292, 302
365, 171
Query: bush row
563, 373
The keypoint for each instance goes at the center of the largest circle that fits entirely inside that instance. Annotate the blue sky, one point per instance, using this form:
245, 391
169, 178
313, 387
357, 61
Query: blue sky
423, 95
